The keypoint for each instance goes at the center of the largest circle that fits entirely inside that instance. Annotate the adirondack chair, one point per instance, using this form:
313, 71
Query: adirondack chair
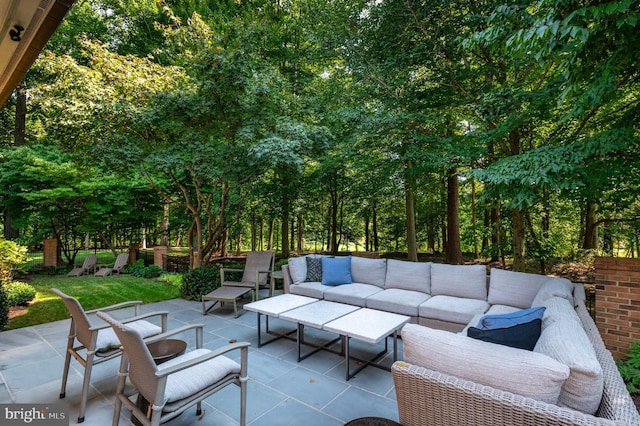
88, 266
118, 267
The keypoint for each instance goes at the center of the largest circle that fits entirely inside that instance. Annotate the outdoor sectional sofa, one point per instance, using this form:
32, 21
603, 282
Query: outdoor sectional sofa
448, 378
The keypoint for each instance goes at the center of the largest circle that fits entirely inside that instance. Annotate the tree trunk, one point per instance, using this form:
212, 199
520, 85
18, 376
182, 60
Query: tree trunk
453, 251
590, 227
299, 233
518, 223
284, 228
474, 219
374, 223
164, 239
410, 213
11, 233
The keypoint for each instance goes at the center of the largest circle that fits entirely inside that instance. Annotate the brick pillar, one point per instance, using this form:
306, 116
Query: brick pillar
50, 252
158, 253
618, 303
133, 251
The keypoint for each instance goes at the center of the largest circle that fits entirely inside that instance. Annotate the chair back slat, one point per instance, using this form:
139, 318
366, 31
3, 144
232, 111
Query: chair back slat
142, 367
258, 261
82, 323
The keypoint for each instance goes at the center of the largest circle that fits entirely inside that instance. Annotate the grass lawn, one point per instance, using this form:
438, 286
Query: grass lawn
91, 292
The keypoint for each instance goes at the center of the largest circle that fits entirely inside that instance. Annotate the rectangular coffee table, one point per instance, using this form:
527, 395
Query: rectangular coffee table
274, 307
316, 315
368, 325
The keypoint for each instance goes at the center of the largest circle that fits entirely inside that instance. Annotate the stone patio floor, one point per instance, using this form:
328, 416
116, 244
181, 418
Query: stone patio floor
281, 390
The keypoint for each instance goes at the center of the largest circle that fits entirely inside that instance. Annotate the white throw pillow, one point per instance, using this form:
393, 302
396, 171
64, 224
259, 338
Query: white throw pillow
298, 269
502, 367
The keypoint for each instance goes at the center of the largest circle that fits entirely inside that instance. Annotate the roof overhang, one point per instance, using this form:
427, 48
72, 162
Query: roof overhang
39, 20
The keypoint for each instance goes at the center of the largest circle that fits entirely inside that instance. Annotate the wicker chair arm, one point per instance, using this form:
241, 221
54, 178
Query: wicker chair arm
428, 397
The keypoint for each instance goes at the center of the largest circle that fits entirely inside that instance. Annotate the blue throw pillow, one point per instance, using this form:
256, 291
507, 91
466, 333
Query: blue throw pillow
336, 270
490, 322
521, 336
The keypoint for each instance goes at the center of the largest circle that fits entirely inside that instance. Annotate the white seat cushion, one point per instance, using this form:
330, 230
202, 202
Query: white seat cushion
397, 300
193, 379
352, 294
452, 309
309, 289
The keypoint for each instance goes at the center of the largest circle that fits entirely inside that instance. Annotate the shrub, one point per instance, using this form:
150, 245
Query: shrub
4, 307
139, 270
199, 281
19, 293
12, 256
630, 369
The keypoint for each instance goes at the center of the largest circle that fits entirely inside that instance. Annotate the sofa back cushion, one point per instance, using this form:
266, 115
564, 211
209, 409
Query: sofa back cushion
415, 276
514, 370
368, 271
567, 342
554, 287
468, 281
514, 288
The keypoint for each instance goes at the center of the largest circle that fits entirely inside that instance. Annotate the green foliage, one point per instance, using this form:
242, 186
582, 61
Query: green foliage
12, 256
4, 307
199, 281
630, 368
139, 270
19, 293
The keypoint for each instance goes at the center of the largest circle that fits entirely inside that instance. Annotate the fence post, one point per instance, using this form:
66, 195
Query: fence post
158, 253
133, 253
50, 252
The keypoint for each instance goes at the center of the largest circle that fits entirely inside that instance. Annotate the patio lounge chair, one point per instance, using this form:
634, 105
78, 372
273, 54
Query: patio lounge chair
118, 267
88, 265
173, 387
97, 340
255, 274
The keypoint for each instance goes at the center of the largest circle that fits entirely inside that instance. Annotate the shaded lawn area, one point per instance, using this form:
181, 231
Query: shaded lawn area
91, 292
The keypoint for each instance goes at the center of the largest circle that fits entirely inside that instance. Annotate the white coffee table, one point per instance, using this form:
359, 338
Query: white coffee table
274, 307
368, 325
316, 315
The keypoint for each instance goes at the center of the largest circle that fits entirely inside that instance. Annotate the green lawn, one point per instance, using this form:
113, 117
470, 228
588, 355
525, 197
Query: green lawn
91, 292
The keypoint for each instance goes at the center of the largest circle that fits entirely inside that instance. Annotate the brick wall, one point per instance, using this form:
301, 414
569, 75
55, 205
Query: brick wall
618, 303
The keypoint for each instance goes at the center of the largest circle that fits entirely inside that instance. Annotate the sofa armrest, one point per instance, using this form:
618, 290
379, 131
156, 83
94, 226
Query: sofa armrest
286, 278
428, 397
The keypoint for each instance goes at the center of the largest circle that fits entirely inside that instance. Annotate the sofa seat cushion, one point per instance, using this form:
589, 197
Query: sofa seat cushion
414, 276
352, 294
466, 281
309, 289
521, 372
397, 300
368, 271
567, 342
452, 309
514, 288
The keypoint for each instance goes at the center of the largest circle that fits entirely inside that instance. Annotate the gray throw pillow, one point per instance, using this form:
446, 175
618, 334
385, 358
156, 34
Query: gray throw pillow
314, 269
